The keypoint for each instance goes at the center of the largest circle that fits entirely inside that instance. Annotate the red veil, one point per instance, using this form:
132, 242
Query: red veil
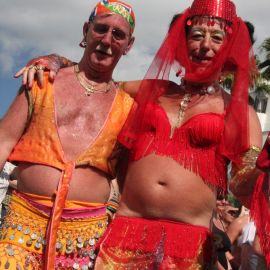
234, 57
260, 201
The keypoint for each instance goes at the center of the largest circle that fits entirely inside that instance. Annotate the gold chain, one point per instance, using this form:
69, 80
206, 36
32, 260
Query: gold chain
183, 104
89, 88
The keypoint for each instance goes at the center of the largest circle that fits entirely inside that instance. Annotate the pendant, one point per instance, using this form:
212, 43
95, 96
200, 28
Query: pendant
211, 90
89, 90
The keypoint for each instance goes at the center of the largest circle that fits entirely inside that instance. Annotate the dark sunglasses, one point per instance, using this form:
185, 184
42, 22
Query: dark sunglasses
102, 29
234, 213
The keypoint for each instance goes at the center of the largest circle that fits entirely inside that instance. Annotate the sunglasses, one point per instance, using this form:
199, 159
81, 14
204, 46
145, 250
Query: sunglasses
102, 29
234, 213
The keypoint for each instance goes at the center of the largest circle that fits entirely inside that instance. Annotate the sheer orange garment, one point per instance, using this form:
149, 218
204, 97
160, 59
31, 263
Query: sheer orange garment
40, 144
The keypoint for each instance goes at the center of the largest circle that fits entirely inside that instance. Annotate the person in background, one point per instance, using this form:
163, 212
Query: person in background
223, 217
8, 178
260, 202
177, 158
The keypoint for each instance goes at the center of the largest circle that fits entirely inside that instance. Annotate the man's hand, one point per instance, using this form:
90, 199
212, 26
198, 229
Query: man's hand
35, 69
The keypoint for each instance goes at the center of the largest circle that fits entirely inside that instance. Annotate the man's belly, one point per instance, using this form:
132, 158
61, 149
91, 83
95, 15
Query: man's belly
87, 184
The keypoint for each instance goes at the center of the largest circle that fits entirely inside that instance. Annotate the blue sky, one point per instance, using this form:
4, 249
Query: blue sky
29, 28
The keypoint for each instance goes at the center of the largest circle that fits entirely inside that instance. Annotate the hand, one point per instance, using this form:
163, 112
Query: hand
35, 68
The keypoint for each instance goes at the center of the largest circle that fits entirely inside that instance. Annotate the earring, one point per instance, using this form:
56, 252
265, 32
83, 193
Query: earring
83, 44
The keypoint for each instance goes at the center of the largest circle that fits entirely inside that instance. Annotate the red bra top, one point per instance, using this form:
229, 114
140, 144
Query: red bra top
194, 145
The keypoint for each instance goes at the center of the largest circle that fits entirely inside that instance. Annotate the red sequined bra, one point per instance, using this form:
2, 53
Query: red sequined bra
194, 145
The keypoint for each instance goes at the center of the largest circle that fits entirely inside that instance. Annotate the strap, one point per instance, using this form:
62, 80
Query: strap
59, 204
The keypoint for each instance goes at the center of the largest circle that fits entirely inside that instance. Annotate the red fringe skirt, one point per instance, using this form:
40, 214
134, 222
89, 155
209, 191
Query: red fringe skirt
138, 243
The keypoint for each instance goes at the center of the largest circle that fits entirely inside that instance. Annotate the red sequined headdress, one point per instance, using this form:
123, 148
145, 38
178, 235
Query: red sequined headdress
223, 9
234, 57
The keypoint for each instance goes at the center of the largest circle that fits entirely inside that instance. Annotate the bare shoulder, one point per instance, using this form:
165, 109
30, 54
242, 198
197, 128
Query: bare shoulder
64, 73
132, 87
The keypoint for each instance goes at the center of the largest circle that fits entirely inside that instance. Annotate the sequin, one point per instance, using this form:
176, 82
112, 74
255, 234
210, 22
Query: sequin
33, 236
21, 240
29, 242
26, 231
10, 252
92, 255
12, 237
58, 246
38, 245
79, 245
92, 242
7, 264
76, 266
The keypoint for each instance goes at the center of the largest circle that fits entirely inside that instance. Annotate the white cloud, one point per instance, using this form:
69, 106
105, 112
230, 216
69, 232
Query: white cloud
38, 27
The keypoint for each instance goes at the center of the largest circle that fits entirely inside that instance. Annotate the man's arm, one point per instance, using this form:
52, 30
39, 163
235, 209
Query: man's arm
12, 125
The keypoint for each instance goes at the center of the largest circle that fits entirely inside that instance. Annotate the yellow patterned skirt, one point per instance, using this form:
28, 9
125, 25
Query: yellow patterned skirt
22, 239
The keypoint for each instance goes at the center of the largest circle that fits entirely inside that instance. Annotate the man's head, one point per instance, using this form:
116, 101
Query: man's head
108, 34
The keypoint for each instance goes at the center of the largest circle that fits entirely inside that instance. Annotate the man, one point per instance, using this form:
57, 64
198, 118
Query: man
66, 130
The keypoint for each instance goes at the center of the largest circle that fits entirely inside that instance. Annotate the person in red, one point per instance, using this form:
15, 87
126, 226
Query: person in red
180, 139
260, 201
62, 137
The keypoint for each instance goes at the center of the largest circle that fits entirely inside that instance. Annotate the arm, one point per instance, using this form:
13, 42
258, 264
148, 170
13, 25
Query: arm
244, 172
235, 228
36, 67
12, 126
229, 258
256, 246
132, 87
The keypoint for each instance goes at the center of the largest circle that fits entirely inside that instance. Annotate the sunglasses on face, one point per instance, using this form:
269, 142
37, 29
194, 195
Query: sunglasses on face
234, 213
102, 29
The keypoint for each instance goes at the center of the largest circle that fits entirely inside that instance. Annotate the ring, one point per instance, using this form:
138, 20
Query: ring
37, 68
32, 66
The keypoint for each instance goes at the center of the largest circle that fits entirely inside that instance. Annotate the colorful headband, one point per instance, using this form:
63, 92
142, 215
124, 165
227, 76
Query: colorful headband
117, 7
223, 9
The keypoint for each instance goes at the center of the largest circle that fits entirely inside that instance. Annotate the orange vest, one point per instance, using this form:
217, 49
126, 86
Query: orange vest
40, 144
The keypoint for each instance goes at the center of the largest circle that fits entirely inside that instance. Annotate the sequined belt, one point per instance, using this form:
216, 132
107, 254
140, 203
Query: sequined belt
25, 226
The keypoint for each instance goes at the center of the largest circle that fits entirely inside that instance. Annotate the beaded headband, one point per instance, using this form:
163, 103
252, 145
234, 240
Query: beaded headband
116, 7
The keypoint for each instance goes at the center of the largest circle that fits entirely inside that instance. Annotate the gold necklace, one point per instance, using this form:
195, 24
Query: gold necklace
183, 104
89, 88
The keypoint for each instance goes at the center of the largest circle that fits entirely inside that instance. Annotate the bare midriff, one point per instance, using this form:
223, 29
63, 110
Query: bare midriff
158, 187
87, 184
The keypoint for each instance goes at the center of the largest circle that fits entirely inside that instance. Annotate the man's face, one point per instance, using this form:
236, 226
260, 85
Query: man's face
204, 41
108, 38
